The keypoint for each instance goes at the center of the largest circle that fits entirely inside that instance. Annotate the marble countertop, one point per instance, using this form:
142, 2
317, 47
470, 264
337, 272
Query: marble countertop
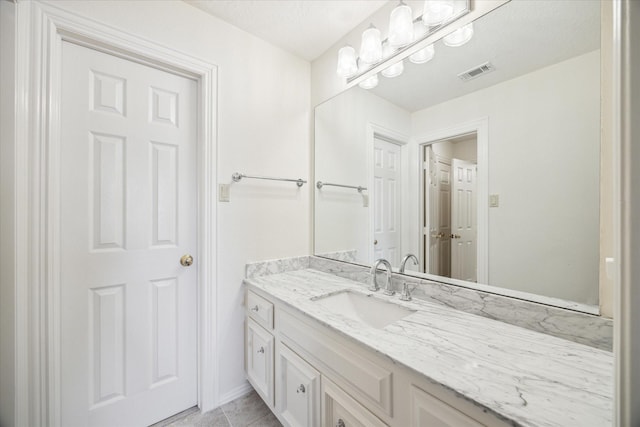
526, 377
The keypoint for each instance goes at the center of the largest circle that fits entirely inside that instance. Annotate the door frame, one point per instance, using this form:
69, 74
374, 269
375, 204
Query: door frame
376, 131
481, 128
40, 31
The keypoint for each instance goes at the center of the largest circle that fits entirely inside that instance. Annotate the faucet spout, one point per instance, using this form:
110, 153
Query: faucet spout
407, 258
373, 279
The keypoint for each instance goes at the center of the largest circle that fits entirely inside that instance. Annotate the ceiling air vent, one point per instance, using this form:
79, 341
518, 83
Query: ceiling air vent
476, 71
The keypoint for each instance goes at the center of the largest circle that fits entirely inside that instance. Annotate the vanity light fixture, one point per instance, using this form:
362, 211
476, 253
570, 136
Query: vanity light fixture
393, 70
425, 54
347, 62
437, 12
459, 37
404, 33
400, 26
369, 83
371, 47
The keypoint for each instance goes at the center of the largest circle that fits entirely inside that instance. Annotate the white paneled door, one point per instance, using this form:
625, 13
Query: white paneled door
128, 202
464, 264
386, 201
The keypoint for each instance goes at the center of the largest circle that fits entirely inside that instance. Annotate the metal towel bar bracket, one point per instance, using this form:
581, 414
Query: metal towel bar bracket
321, 184
238, 176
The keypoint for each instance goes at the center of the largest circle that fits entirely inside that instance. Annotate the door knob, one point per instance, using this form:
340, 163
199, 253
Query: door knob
375, 242
455, 236
186, 260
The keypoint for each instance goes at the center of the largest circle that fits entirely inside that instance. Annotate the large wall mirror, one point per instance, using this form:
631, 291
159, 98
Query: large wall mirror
483, 162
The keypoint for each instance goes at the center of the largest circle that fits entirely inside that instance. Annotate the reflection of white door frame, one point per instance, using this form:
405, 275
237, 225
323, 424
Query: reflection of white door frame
40, 31
481, 128
376, 131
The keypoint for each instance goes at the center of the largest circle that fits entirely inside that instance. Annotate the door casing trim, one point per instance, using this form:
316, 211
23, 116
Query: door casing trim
40, 31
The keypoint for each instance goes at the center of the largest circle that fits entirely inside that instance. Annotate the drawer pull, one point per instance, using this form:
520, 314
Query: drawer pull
261, 350
301, 389
340, 423
256, 308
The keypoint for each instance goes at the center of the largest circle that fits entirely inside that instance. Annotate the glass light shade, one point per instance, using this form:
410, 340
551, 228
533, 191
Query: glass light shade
393, 70
347, 65
459, 37
423, 55
369, 83
437, 11
401, 26
371, 47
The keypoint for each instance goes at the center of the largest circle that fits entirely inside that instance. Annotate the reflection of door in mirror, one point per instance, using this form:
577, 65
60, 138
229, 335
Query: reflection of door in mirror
386, 203
450, 222
463, 221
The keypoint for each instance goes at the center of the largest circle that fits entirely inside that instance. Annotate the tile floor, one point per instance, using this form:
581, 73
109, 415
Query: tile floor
246, 411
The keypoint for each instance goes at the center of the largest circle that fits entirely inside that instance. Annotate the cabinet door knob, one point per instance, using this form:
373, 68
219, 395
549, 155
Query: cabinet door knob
256, 308
261, 350
301, 389
340, 423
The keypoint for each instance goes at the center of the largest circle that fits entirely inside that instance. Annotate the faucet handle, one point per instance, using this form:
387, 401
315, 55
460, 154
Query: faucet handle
405, 295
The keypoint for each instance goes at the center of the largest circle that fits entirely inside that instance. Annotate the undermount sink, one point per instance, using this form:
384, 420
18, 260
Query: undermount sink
364, 308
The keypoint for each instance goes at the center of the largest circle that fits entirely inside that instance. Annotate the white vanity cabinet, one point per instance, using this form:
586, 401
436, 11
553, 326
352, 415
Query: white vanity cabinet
297, 389
259, 350
318, 377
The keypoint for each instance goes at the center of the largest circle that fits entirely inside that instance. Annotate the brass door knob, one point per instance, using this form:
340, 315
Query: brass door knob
186, 260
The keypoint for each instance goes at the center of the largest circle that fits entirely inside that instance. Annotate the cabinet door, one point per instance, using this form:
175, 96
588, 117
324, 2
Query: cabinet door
297, 390
259, 360
428, 411
341, 410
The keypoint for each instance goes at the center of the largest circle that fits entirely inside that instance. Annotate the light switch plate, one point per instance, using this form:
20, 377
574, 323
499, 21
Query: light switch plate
223, 192
494, 200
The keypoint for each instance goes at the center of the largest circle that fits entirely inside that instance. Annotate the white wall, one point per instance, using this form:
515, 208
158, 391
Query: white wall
341, 153
7, 205
263, 128
542, 122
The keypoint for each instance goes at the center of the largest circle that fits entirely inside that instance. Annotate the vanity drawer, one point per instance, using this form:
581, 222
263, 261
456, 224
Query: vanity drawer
260, 310
427, 410
370, 382
340, 409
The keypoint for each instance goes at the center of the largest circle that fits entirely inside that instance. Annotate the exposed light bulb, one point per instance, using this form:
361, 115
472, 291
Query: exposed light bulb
371, 47
459, 37
401, 26
347, 65
437, 11
369, 83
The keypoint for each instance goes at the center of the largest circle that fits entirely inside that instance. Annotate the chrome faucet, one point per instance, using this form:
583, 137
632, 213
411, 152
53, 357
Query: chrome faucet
404, 262
374, 282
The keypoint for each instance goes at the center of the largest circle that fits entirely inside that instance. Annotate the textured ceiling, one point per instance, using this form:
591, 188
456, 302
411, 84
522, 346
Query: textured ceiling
520, 37
305, 28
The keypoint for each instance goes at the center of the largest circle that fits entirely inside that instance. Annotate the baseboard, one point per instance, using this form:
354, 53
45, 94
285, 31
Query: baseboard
235, 393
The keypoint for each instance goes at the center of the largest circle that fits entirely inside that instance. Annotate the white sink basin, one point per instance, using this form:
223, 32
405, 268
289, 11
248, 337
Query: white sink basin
364, 308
